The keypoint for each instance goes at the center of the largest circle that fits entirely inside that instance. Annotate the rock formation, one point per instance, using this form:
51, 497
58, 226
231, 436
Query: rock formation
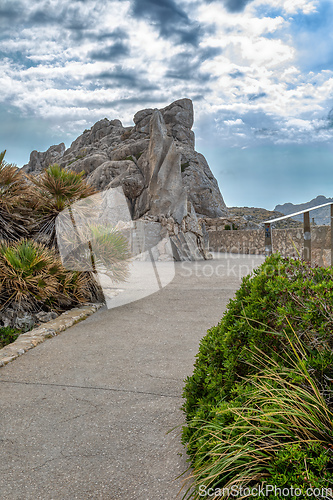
162, 176
40, 161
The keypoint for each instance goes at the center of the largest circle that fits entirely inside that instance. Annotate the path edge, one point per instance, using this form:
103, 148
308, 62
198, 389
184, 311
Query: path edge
29, 340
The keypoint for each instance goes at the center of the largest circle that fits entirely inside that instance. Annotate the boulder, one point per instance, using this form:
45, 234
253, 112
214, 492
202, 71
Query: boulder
101, 177
40, 161
130, 149
88, 164
165, 185
164, 168
179, 117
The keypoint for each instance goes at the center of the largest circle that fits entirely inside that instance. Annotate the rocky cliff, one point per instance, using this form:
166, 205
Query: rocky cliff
154, 161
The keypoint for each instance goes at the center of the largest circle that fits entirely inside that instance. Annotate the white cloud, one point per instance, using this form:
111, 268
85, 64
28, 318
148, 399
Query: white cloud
289, 6
255, 70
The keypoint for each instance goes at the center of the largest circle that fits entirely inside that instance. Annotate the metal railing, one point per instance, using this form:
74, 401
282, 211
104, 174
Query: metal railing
307, 231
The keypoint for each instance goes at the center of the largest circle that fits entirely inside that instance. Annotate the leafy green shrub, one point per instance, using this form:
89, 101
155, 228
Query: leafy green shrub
301, 467
8, 335
33, 277
281, 299
278, 418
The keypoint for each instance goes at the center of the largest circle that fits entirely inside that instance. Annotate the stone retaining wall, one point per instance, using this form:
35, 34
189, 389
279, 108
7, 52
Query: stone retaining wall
289, 242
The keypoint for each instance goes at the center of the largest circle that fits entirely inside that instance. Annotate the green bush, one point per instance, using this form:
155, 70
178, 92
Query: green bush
282, 299
8, 335
278, 418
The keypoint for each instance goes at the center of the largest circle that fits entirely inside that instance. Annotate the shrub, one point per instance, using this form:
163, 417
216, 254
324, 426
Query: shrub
8, 335
279, 430
184, 166
282, 298
32, 276
14, 192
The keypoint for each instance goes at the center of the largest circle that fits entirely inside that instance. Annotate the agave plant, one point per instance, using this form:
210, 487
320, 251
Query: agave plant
32, 277
14, 192
57, 189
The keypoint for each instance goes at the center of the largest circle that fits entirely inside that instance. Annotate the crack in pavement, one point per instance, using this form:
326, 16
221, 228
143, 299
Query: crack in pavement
111, 389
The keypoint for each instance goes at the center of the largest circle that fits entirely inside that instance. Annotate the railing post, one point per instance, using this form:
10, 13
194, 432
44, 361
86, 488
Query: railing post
268, 240
307, 237
331, 234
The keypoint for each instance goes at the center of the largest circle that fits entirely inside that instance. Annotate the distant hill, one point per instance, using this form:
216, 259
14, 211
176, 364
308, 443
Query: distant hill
258, 215
321, 216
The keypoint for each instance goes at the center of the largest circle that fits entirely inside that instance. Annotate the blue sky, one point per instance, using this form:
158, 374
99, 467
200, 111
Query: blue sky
259, 72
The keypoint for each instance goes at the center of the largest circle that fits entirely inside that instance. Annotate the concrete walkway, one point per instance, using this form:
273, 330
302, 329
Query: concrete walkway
85, 415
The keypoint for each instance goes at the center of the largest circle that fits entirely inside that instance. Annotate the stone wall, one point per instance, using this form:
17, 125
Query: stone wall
289, 242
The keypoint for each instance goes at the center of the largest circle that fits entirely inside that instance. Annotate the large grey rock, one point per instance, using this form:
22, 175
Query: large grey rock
179, 117
200, 184
89, 163
39, 161
155, 150
133, 148
167, 195
101, 177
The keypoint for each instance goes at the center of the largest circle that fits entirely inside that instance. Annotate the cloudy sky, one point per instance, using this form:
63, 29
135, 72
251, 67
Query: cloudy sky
259, 72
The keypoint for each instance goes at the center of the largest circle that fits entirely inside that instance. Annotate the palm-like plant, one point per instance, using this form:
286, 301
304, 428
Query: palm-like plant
98, 248
32, 277
14, 192
57, 189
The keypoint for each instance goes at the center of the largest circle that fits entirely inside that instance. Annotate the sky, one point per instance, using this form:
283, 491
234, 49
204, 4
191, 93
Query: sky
259, 73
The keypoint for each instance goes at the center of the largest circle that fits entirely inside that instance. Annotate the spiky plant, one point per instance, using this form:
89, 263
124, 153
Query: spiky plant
97, 248
13, 197
32, 277
56, 189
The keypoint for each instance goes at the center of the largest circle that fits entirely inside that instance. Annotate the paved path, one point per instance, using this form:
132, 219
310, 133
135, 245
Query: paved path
85, 415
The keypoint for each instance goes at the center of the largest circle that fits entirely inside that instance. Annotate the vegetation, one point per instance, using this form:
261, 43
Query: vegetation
184, 166
8, 335
33, 278
262, 383
14, 195
102, 248
228, 227
57, 189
